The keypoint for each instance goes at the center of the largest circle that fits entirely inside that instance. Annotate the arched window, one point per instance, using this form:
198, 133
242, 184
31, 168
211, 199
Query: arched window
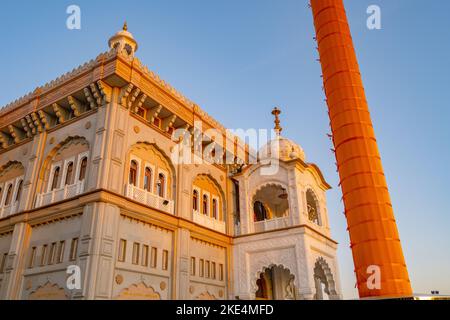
19, 191
195, 200
214, 209
260, 212
205, 205
313, 210
9, 194
160, 185
55, 178
148, 179
69, 173
133, 172
83, 168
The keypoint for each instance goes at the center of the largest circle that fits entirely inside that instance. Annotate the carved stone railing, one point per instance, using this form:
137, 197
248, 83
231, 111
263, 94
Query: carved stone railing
67, 192
149, 199
209, 222
9, 210
272, 224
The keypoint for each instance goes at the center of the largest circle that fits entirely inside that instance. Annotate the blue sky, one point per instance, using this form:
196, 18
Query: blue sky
239, 59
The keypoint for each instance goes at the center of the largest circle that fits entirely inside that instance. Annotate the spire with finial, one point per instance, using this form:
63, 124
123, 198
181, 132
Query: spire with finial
125, 26
276, 112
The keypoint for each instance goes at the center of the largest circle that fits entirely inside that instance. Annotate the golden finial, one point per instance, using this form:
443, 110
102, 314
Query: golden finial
125, 26
276, 112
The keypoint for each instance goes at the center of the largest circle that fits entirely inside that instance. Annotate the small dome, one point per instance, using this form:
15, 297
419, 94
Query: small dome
287, 150
123, 40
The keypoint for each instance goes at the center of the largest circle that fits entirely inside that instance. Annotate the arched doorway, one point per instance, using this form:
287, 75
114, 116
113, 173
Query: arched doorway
275, 283
324, 281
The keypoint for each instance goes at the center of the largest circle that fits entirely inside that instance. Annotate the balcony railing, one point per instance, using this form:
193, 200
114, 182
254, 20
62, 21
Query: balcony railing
149, 199
9, 210
272, 224
209, 222
67, 192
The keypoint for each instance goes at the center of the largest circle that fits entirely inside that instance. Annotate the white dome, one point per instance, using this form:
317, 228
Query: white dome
287, 150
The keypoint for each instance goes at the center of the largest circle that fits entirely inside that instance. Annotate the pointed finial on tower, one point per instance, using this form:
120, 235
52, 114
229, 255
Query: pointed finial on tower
276, 112
125, 26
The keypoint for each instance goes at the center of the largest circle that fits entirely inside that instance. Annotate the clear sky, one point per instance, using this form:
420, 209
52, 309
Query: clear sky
239, 59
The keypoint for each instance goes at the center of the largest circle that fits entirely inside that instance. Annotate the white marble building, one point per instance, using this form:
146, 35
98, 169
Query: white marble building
87, 180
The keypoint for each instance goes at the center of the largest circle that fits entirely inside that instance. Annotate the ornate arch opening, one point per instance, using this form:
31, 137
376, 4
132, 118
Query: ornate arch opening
270, 201
65, 164
139, 291
324, 281
150, 169
206, 191
313, 207
11, 185
274, 282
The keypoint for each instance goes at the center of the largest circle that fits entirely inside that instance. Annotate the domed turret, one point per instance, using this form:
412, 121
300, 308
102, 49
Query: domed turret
123, 41
283, 149
280, 147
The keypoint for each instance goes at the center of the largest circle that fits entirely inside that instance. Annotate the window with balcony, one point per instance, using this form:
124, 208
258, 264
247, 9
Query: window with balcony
150, 178
63, 172
11, 187
271, 208
206, 203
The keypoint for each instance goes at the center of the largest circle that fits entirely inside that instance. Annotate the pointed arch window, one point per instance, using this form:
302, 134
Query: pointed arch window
160, 185
83, 168
69, 174
195, 200
205, 204
214, 209
148, 179
9, 194
133, 172
19, 191
55, 178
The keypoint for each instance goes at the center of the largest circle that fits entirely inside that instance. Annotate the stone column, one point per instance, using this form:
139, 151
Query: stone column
31, 179
98, 250
109, 147
183, 262
15, 263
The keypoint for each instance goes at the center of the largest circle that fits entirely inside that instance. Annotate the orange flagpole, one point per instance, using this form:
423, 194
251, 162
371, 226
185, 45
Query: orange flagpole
370, 218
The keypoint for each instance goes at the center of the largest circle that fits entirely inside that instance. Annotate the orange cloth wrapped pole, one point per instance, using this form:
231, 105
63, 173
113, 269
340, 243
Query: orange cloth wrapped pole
370, 217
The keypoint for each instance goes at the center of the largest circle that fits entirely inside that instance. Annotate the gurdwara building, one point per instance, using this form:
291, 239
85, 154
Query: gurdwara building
94, 205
